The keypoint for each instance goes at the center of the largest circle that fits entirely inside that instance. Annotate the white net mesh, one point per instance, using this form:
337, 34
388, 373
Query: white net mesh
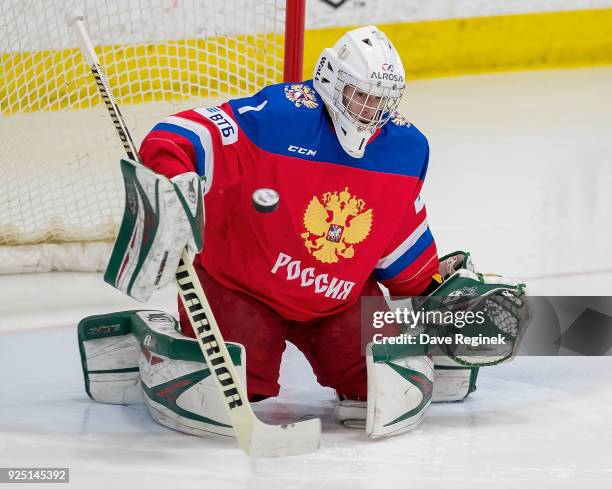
59, 154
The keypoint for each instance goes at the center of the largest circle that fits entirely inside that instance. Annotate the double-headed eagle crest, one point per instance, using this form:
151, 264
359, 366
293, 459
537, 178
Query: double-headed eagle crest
399, 120
300, 94
335, 224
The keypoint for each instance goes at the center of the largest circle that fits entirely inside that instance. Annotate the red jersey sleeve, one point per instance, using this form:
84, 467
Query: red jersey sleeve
411, 258
202, 140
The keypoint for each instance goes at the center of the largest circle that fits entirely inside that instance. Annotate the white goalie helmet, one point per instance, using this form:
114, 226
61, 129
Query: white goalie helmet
361, 81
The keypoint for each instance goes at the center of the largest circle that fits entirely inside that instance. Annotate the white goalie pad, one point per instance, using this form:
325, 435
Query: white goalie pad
178, 387
110, 367
451, 381
135, 356
161, 218
182, 395
399, 391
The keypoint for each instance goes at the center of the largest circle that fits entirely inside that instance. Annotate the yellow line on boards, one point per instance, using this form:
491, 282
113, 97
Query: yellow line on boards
198, 68
489, 44
165, 71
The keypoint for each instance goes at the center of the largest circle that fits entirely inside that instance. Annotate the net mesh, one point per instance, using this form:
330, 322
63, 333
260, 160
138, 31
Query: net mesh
59, 159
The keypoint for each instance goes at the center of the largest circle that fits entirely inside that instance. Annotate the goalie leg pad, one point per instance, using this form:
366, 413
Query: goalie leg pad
452, 382
400, 385
171, 374
109, 358
178, 386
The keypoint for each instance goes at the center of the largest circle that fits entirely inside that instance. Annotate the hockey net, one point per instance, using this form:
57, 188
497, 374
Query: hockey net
62, 194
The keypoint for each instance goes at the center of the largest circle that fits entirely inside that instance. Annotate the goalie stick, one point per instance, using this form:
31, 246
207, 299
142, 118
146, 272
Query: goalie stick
256, 438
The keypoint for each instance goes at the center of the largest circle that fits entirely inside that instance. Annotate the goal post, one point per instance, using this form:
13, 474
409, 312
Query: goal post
295, 19
62, 193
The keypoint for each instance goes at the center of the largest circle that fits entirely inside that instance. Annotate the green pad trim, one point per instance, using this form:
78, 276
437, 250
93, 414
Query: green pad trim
421, 382
175, 348
167, 394
128, 223
195, 222
115, 370
130, 216
473, 378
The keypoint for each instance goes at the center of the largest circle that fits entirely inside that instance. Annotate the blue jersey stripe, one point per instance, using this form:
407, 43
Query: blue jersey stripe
407, 258
192, 137
294, 129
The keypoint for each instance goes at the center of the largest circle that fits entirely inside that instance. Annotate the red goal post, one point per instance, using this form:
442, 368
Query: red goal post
294, 40
62, 194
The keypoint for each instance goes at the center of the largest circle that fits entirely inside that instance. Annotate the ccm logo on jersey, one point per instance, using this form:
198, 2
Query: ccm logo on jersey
332, 287
226, 125
302, 151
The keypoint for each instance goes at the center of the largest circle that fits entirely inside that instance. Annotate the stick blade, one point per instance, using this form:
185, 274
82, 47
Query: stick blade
282, 440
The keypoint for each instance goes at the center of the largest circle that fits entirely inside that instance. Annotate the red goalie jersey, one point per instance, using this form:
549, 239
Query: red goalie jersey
340, 219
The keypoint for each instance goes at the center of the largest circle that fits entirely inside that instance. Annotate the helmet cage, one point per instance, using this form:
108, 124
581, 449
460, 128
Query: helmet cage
372, 103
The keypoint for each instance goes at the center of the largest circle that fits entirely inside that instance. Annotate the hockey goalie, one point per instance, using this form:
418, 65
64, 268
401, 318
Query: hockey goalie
348, 169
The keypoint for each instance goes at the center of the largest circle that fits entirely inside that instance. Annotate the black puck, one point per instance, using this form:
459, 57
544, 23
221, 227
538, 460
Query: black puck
265, 200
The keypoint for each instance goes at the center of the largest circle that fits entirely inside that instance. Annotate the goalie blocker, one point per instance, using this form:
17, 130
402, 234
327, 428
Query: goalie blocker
161, 218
